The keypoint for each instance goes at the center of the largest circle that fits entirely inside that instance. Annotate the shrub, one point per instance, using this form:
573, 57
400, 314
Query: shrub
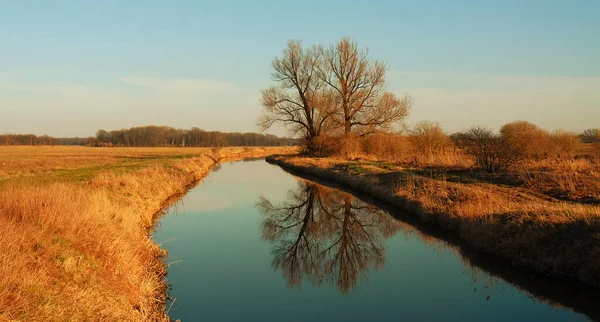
348, 146
564, 144
487, 148
429, 138
387, 146
524, 140
591, 136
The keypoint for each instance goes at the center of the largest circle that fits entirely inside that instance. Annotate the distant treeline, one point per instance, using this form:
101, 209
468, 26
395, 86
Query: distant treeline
31, 139
154, 136
168, 136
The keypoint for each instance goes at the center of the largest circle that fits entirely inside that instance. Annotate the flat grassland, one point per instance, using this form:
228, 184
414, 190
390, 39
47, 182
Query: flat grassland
75, 227
548, 221
75, 163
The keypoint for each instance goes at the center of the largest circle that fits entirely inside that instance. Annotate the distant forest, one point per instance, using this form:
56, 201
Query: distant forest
154, 136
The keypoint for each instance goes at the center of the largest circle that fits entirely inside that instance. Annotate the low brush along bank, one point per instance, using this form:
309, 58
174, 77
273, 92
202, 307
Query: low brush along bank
529, 229
75, 228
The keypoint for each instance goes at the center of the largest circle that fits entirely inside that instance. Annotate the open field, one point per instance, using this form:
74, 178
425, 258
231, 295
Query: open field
75, 223
522, 224
75, 163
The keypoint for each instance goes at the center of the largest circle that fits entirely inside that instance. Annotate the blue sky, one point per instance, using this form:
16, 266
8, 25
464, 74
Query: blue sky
72, 67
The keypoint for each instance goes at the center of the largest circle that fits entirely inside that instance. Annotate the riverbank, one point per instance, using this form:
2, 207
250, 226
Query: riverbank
528, 229
75, 228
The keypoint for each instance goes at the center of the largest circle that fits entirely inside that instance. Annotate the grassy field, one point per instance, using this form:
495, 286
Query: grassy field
66, 163
529, 226
75, 228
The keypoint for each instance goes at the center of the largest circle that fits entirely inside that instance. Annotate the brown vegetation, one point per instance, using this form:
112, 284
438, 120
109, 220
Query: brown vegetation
556, 164
591, 136
357, 84
525, 228
301, 230
74, 228
299, 102
524, 141
328, 96
523, 193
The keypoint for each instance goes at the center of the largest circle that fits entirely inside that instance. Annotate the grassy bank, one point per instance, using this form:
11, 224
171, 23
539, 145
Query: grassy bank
74, 228
529, 229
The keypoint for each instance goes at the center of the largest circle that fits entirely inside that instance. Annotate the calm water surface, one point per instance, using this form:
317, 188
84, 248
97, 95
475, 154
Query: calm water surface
254, 243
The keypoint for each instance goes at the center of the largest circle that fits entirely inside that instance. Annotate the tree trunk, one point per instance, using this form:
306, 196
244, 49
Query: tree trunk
347, 125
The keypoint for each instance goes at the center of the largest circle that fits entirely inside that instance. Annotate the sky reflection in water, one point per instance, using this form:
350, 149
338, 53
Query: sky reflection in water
253, 243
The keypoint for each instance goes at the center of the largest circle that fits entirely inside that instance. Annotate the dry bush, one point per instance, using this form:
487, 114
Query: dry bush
426, 145
428, 138
524, 140
567, 169
564, 144
349, 146
487, 149
387, 146
401, 149
431, 145
591, 136
519, 143
322, 145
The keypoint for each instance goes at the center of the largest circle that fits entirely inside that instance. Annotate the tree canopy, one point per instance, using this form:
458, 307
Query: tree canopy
327, 93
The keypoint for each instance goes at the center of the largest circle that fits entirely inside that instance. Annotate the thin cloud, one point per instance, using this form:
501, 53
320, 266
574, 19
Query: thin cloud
464, 81
459, 100
179, 85
52, 88
81, 109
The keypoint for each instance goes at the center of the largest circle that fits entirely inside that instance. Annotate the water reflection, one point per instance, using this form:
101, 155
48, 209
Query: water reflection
321, 234
314, 234
325, 235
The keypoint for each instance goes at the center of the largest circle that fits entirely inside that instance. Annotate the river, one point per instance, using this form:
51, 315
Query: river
255, 243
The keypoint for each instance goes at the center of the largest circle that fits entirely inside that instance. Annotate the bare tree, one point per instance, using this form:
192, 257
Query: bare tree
591, 136
300, 101
321, 234
358, 83
487, 148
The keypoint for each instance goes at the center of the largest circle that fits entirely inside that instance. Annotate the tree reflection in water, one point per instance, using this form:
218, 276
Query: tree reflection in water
325, 235
322, 234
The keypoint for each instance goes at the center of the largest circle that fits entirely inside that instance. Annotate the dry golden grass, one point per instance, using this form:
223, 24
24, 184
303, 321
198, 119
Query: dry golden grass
75, 162
554, 164
570, 179
524, 227
77, 247
573, 177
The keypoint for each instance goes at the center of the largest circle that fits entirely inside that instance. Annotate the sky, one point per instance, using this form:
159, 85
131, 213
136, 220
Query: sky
69, 68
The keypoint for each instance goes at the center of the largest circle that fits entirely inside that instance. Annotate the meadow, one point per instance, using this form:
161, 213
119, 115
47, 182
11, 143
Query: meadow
75, 227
